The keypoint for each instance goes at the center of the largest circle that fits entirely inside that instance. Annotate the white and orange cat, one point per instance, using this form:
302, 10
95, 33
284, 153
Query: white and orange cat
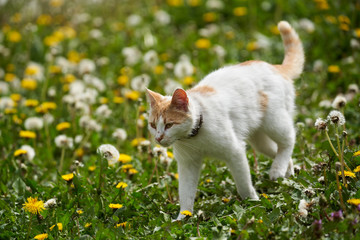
250, 102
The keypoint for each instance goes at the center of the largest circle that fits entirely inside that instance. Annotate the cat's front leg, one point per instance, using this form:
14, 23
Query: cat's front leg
189, 166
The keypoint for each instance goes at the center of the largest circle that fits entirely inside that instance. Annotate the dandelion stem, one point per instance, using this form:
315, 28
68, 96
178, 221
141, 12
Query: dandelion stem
62, 159
100, 172
341, 156
331, 145
340, 193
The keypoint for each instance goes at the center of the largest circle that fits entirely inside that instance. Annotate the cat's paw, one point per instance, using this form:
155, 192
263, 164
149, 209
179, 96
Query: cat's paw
290, 170
179, 218
275, 173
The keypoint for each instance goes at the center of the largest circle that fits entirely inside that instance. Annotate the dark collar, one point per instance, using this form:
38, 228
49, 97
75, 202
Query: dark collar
196, 129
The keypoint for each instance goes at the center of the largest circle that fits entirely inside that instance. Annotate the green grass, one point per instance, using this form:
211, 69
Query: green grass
150, 201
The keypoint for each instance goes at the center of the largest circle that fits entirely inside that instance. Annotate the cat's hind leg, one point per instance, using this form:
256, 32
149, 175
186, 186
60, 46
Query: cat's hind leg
279, 127
263, 143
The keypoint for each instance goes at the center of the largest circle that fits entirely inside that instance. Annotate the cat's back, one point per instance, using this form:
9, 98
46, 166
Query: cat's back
246, 77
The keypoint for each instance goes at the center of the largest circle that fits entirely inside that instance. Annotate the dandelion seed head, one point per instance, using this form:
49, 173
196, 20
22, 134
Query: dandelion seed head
120, 134
62, 141
339, 102
109, 152
320, 124
336, 117
50, 203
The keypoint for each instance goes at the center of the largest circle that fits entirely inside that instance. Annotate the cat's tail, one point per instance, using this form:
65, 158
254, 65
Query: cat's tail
293, 63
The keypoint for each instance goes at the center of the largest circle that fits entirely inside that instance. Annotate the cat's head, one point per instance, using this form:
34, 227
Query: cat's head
169, 117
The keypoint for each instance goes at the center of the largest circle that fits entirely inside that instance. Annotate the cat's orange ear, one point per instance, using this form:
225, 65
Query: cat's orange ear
153, 97
180, 100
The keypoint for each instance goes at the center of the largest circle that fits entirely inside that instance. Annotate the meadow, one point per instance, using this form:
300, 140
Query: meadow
73, 76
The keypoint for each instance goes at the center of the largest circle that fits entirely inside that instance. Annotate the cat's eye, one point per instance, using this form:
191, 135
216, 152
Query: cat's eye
168, 125
153, 125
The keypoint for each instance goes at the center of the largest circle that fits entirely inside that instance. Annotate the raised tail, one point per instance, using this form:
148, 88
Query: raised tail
293, 63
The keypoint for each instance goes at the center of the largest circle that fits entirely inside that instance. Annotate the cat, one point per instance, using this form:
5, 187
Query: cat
248, 102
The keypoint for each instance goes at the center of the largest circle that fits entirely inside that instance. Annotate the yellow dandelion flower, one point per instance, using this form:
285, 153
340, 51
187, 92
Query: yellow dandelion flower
52, 227
123, 80
208, 180
225, 200
54, 69
344, 27
44, 19
15, 97
354, 201
16, 119
92, 168
19, 152
124, 158
56, 3
68, 177
115, 205
175, 3
9, 111
122, 185
69, 78
14, 36
188, 80
240, 11
347, 174
186, 213
27, 134
104, 100
63, 126
87, 225
274, 29
9, 77
118, 100
357, 153
127, 166
31, 103
132, 95
252, 46
29, 84
79, 212
60, 226
159, 69
203, 43
137, 141
31, 70
333, 69
79, 152
133, 171
123, 224
357, 169
51, 41
265, 195
68, 31
33, 205
357, 32
170, 154
210, 17
45, 107
260, 221
41, 236
16, 18
176, 176
74, 56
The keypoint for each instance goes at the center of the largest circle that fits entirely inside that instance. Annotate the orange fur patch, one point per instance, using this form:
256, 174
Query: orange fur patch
264, 100
206, 90
282, 70
170, 114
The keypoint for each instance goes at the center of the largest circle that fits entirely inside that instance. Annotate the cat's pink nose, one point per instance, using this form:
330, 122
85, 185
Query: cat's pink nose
158, 139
